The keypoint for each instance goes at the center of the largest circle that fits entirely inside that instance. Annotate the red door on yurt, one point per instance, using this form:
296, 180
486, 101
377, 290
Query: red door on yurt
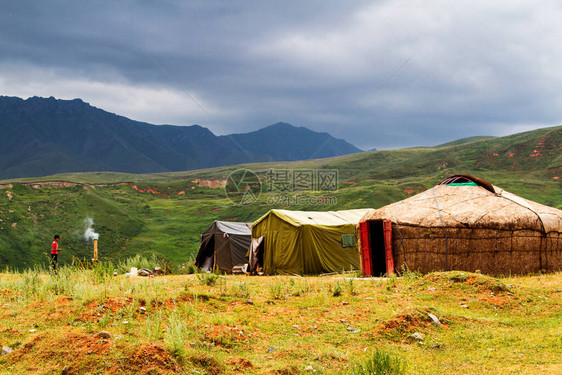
376, 248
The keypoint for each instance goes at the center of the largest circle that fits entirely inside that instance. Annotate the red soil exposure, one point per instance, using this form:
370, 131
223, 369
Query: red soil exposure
350, 182
96, 310
57, 309
181, 192
148, 359
479, 282
150, 190
47, 347
82, 353
207, 362
225, 336
405, 322
240, 364
409, 191
213, 184
510, 155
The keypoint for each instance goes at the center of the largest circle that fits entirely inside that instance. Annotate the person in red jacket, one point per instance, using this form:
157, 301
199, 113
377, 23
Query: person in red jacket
55, 253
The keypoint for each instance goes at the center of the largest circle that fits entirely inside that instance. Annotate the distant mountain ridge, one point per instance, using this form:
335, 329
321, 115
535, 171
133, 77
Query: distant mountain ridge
44, 136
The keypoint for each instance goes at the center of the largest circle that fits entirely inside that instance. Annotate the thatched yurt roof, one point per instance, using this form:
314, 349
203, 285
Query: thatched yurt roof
470, 206
466, 223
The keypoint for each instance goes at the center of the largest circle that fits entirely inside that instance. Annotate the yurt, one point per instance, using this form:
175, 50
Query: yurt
464, 223
305, 242
223, 245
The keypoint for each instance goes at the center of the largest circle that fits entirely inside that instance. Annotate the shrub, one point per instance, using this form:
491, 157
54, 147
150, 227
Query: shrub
379, 363
208, 279
337, 291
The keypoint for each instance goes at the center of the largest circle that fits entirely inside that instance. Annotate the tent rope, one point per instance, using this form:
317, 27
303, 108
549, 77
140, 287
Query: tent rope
444, 231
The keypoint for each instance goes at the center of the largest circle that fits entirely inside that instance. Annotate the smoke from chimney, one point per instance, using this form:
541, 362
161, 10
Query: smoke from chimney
90, 234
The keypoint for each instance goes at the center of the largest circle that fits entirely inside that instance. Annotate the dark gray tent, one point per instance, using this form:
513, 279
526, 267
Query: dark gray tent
224, 245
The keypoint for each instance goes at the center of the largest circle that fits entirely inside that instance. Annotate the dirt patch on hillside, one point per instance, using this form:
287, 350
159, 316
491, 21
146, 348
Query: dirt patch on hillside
206, 362
81, 353
75, 351
98, 309
478, 281
403, 325
148, 359
225, 337
240, 364
213, 184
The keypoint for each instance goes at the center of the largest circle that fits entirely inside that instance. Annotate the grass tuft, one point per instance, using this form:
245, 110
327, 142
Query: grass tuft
379, 363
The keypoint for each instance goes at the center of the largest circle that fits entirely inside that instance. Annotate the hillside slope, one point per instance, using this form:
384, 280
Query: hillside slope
165, 213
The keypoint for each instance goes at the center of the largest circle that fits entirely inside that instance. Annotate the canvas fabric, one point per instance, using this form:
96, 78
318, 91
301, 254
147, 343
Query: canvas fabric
307, 242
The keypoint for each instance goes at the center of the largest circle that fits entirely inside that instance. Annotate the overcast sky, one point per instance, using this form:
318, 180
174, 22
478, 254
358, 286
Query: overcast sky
384, 74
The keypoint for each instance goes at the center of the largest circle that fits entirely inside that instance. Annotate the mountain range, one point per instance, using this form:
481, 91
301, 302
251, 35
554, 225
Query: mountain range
45, 136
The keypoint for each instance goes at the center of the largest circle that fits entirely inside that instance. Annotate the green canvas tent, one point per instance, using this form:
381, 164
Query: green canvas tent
305, 242
223, 245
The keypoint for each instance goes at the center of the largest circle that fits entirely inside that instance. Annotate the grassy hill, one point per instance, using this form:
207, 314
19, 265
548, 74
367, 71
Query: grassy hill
164, 213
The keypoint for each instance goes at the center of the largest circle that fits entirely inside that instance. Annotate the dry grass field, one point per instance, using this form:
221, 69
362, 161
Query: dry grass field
212, 324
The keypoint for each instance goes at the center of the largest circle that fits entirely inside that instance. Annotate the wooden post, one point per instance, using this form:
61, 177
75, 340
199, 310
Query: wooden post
366, 264
95, 250
387, 229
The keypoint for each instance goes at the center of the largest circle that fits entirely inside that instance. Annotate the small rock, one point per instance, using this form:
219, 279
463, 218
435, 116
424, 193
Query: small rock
158, 271
345, 303
32, 330
6, 350
418, 336
103, 335
249, 302
144, 272
435, 346
431, 289
369, 298
464, 306
434, 318
309, 368
64, 371
270, 349
477, 271
350, 329
142, 308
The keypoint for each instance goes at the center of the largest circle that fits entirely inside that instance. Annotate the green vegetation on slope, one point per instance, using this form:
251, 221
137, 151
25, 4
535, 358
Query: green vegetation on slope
165, 213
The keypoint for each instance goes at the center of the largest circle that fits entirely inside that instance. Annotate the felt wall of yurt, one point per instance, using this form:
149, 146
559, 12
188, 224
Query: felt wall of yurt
468, 224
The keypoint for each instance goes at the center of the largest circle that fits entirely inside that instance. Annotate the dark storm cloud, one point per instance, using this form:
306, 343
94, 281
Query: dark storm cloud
475, 68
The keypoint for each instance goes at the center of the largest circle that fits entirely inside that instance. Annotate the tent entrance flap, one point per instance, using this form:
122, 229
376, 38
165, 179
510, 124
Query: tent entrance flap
255, 254
376, 238
206, 256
